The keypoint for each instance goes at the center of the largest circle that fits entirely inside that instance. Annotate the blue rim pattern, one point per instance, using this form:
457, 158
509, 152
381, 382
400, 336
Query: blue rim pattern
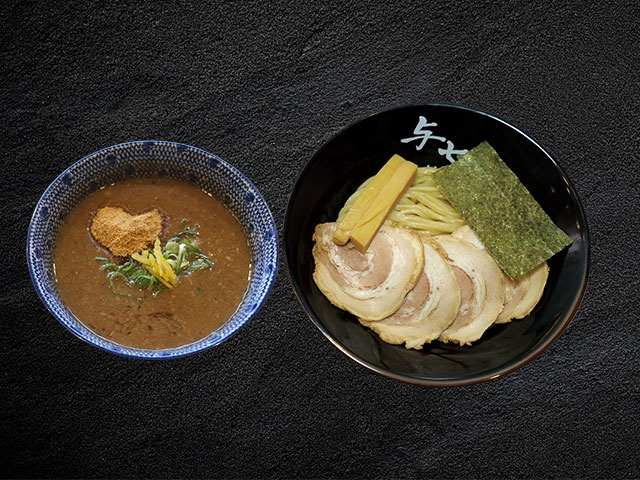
146, 159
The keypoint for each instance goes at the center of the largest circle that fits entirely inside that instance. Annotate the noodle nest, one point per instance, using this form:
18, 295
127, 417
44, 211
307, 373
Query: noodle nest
423, 207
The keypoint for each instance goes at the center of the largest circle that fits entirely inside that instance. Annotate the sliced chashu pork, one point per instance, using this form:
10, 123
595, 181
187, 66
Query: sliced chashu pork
370, 285
481, 286
428, 309
521, 294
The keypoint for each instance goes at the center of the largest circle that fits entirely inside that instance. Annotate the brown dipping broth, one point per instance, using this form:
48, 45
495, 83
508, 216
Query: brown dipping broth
198, 305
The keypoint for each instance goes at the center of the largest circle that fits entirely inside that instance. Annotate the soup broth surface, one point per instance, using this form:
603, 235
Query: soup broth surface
198, 305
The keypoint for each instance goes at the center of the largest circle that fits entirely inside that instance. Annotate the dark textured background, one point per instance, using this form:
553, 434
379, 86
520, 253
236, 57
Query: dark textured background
263, 85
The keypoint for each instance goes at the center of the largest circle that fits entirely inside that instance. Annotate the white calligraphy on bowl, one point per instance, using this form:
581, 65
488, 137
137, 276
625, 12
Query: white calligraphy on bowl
423, 133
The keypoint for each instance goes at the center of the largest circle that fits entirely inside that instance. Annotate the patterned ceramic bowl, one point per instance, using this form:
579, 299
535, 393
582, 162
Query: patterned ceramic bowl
144, 159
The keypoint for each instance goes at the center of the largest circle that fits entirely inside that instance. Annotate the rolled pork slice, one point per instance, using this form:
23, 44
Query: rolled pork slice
521, 294
482, 290
428, 309
533, 284
370, 285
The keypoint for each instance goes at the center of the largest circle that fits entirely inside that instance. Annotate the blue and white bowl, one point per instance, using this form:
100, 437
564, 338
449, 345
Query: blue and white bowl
146, 159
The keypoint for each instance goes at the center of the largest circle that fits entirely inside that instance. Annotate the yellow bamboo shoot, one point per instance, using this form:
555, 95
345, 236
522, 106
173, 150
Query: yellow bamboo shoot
351, 219
377, 210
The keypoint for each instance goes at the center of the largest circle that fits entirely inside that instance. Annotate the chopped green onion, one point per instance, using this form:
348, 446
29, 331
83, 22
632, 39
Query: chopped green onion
181, 253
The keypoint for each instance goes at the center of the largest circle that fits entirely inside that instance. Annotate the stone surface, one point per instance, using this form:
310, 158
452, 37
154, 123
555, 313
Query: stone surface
263, 85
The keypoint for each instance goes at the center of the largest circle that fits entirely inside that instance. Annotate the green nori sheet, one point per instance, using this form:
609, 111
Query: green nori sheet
515, 230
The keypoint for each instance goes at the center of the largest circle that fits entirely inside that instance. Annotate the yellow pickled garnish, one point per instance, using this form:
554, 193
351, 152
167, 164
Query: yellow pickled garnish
155, 263
159, 267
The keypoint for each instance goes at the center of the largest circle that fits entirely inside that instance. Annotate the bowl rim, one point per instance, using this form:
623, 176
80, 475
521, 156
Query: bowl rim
543, 344
135, 352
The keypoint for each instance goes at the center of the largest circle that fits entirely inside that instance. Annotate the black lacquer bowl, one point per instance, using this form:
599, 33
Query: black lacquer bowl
430, 135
